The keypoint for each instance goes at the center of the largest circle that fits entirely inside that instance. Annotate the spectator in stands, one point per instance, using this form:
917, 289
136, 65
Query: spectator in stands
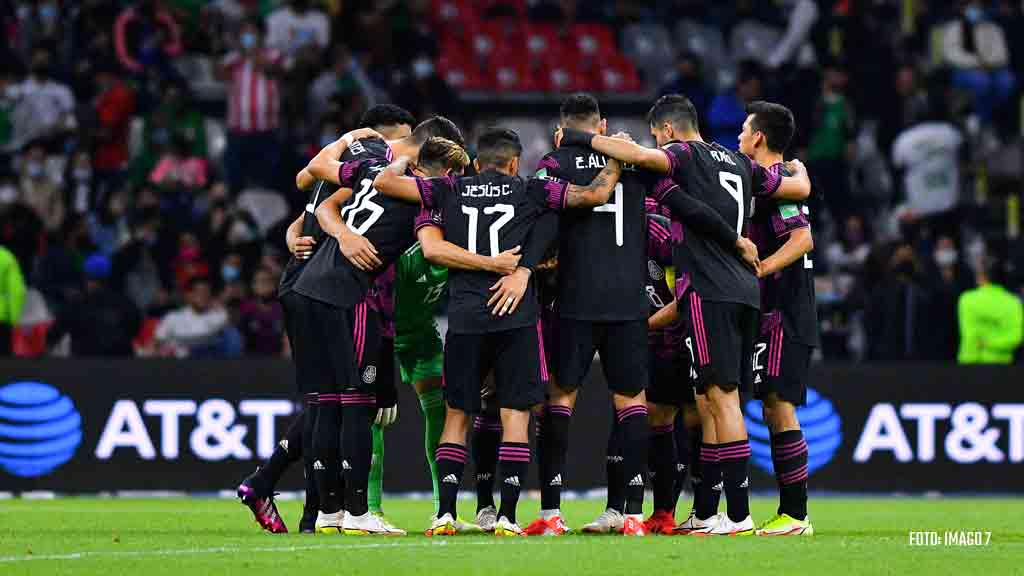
345, 76
947, 281
297, 26
44, 107
115, 104
137, 271
802, 16
57, 273
847, 255
101, 322
729, 109
830, 143
40, 191
12, 298
688, 79
976, 49
253, 96
262, 318
898, 311
176, 167
911, 106
175, 117
928, 154
108, 226
147, 37
199, 329
991, 318
190, 262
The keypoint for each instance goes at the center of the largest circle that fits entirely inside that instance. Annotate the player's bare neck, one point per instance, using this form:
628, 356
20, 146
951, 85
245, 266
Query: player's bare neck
404, 147
767, 158
690, 136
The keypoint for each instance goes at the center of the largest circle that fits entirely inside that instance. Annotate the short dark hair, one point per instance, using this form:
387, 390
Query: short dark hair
675, 109
439, 153
497, 146
579, 108
438, 126
386, 115
775, 121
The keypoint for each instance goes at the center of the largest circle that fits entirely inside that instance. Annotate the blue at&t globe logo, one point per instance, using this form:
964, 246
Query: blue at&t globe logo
39, 429
822, 427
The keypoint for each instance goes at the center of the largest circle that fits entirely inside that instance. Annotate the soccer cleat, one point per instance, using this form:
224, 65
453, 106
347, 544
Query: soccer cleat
553, 526
505, 527
661, 522
464, 527
727, 527
443, 526
609, 521
370, 524
264, 509
694, 525
330, 523
786, 525
486, 518
634, 526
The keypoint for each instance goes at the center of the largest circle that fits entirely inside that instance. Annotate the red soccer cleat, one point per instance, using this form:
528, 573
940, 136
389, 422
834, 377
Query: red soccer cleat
551, 527
661, 522
633, 527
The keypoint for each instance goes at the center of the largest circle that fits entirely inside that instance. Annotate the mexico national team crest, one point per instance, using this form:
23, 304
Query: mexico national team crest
370, 374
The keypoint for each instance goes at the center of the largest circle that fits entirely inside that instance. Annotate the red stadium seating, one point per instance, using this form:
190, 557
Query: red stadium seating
617, 74
460, 73
593, 41
30, 341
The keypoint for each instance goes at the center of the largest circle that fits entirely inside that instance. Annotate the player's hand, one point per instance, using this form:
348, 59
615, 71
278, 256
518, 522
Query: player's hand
359, 251
302, 247
386, 416
796, 166
508, 292
558, 136
507, 262
363, 133
623, 136
748, 251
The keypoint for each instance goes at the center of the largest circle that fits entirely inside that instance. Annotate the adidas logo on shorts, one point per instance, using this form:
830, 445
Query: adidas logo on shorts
680, 467
422, 278
717, 487
512, 481
757, 379
345, 465
637, 480
283, 444
450, 479
746, 483
556, 481
318, 465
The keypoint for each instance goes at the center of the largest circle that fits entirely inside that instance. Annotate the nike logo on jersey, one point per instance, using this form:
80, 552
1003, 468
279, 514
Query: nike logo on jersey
556, 481
512, 481
450, 479
637, 480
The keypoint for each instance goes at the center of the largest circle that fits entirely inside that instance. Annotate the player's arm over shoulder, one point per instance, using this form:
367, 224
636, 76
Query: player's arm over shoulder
770, 182
654, 159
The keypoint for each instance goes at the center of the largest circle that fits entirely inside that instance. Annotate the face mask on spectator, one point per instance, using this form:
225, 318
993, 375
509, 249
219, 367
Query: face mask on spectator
48, 13
422, 68
974, 14
945, 256
230, 273
248, 40
34, 170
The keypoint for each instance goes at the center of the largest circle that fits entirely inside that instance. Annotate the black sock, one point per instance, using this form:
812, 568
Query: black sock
327, 452
288, 450
451, 460
556, 444
734, 458
682, 461
359, 410
486, 437
709, 491
613, 470
635, 438
515, 463
789, 458
308, 425
663, 467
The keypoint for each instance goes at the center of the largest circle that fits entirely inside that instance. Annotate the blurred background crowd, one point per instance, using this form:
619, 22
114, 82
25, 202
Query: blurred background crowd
148, 149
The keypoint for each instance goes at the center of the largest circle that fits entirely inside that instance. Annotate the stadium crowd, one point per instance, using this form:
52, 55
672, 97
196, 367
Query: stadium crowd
147, 150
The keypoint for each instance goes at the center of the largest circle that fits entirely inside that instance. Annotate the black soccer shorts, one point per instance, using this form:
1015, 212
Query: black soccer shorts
781, 364
334, 349
514, 355
622, 346
722, 338
671, 383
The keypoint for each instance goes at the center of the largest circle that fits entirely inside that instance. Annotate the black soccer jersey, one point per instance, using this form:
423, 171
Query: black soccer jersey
386, 222
310, 227
726, 181
486, 214
788, 293
601, 251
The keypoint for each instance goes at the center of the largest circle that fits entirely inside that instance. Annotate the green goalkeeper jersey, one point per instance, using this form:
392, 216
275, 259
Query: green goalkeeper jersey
417, 292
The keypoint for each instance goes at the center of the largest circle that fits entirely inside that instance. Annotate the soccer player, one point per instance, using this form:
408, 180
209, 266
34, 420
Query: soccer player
366, 233
789, 322
302, 238
723, 312
491, 324
602, 308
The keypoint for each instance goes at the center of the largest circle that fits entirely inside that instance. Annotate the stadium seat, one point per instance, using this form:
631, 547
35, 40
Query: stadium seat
649, 47
510, 74
752, 40
617, 75
542, 43
447, 12
565, 76
593, 40
708, 45
460, 75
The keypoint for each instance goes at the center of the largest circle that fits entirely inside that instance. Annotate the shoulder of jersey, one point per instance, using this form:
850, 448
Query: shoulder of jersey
368, 148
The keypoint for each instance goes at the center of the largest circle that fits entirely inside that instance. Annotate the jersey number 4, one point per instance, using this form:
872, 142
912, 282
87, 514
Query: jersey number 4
507, 212
363, 202
616, 209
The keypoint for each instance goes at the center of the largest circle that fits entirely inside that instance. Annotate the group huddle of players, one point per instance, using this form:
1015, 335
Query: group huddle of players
686, 267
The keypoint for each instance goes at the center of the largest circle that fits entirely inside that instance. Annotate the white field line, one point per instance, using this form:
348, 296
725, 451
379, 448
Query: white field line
237, 549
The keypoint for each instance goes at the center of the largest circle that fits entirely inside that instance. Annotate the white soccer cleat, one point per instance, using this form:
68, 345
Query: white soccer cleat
370, 524
330, 523
608, 522
443, 526
727, 527
505, 527
694, 525
486, 518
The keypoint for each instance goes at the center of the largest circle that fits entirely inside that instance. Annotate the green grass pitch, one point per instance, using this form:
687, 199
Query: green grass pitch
209, 536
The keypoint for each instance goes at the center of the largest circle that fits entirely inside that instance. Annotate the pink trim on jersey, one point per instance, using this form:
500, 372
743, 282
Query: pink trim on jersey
540, 350
697, 319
